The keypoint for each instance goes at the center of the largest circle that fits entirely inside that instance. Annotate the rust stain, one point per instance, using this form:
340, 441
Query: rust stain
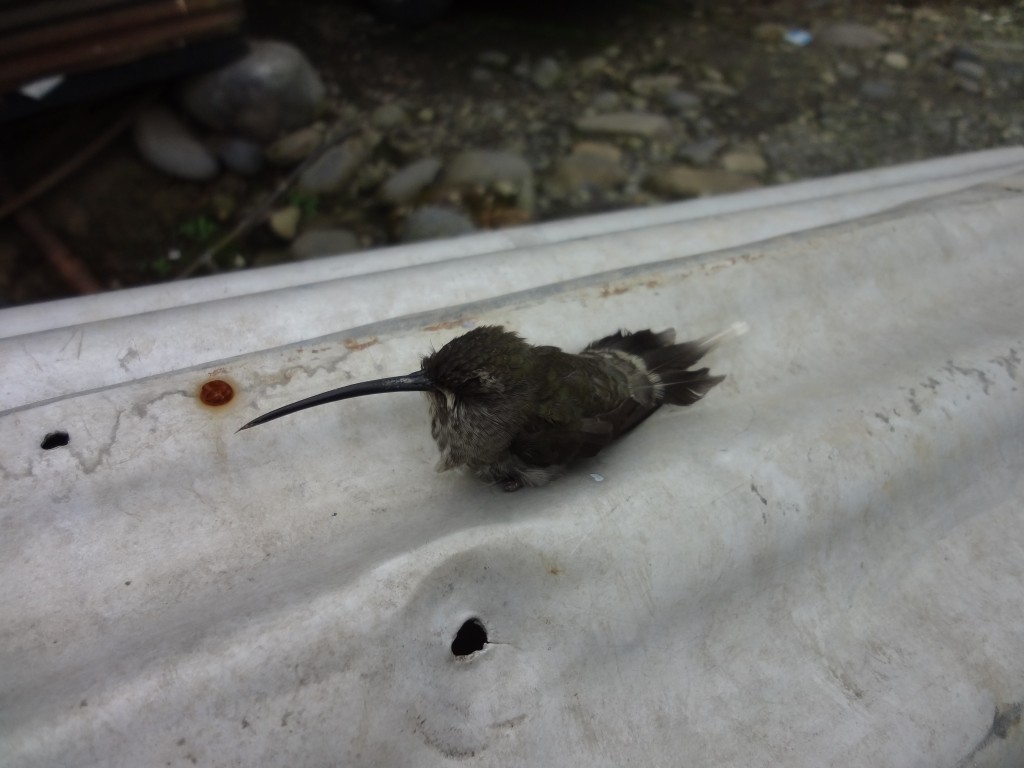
358, 346
652, 283
554, 570
447, 325
216, 392
616, 291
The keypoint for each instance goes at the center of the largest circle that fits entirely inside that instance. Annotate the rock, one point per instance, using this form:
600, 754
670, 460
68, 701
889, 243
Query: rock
592, 65
426, 115
896, 60
642, 124
606, 101
591, 165
324, 242
242, 156
744, 160
433, 223
495, 59
769, 32
680, 101
847, 71
481, 75
701, 152
408, 183
285, 222
878, 90
335, 168
506, 172
271, 90
970, 69
968, 84
655, 85
388, 116
546, 73
296, 146
166, 143
850, 34
680, 181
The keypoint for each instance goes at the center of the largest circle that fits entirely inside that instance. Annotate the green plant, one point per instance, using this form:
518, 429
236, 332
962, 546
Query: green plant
199, 229
306, 202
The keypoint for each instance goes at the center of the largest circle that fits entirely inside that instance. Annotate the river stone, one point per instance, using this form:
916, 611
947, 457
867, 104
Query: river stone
504, 172
166, 143
641, 124
680, 181
433, 223
324, 242
270, 90
408, 183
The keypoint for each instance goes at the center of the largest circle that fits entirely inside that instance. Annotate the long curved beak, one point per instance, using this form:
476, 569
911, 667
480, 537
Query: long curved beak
414, 382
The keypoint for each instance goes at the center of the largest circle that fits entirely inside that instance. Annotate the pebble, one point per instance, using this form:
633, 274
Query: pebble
606, 101
546, 74
680, 101
296, 146
167, 143
641, 124
592, 65
878, 90
506, 172
332, 170
744, 160
701, 152
896, 60
271, 90
242, 156
324, 242
971, 69
284, 222
408, 183
388, 116
495, 59
591, 165
481, 75
433, 223
680, 181
655, 85
850, 34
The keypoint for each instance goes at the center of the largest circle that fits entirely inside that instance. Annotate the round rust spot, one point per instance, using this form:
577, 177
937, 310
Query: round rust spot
216, 392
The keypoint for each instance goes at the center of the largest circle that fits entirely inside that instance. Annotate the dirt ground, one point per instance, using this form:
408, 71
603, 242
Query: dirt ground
948, 79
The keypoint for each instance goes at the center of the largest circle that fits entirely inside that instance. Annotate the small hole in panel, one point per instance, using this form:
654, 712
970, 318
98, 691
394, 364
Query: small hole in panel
471, 637
54, 440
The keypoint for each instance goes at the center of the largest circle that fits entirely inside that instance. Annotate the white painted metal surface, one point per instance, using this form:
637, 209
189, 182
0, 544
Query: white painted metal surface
820, 564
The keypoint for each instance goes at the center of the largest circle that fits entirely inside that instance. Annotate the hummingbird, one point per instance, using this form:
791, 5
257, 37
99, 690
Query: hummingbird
518, 415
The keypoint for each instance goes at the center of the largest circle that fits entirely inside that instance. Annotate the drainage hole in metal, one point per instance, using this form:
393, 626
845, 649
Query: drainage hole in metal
471, 637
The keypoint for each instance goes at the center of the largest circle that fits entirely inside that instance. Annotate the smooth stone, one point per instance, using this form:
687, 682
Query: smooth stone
388, 116
296, 146
606, 101
335, 168
271, 90
655, 85
878, 90
592, 65
680, 181
284, 222
242, 156
546, 74
971, 69
585, 170
166, 143
641, 124
408, 183
506, 172
701, 152
495, 59
896, 60
680, 101
433, 223
850, 34
324, 242
744, 161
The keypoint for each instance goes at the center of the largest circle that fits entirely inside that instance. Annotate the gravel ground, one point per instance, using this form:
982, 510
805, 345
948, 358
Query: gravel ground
518, 114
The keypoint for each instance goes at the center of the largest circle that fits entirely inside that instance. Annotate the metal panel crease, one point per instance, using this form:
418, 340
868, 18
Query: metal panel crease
819, 564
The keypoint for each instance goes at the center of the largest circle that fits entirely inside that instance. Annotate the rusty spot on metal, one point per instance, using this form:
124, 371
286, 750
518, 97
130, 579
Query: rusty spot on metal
447, 325
652, 283
616, 291
216, 392
356, 346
